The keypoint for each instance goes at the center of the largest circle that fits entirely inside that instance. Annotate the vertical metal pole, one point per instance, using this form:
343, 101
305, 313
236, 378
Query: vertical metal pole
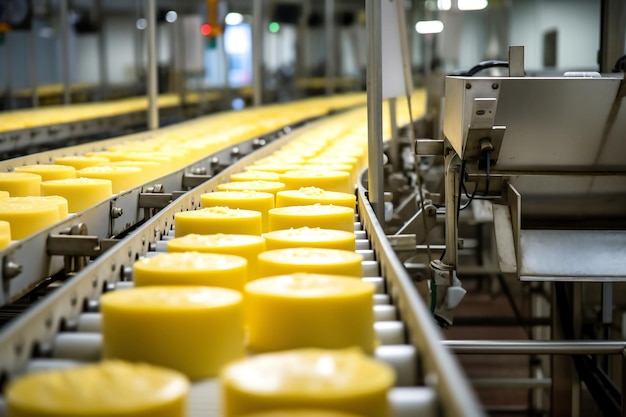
10, 102
562, 372
331, 39
394, 149
153, 86
32, 65
374, 108
452, 166
257, 52
303, 40
102, 52
65, 48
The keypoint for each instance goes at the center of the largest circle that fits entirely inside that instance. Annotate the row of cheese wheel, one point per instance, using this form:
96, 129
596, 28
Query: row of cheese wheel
87, 179
334, 382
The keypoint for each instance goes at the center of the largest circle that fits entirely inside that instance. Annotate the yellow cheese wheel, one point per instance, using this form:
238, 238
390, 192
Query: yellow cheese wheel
4, 194
254, 176
262, 186
306, 237
122, 178
246, 246
20, 184
80, 193
5, 234
312, 260
310, 195
110, 388
328, 180
317, 215
150, 170
80, 162
246, 200
58, 201
28, 217
344, 380
213, 220
166, 162
300, 413
49, 172
278, 168
314, 310
192, 268
194, 330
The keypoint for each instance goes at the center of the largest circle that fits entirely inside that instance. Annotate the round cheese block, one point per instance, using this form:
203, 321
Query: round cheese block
328, 180
317, 215
246, 200
344, 380
80, 162
122, 178
5, 234
28, 217
246, 246
312, 260
80, 193
262, 186
306, 237
110, 388
4, 194
194, 330
20, 184
192, 268
314, 310
311, 195
49, 172
300, 413
150, 170
278, 168
60, 202
254, 176
211, 220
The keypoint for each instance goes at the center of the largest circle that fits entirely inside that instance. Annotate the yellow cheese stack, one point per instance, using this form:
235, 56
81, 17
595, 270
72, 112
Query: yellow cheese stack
28, 217
317, 215
328, 180
262, 186
5, 234
110, 388
80, 193
192, 268
309, 310
306, 237
80, 162
212, 220
343, 380
255, 176
20, 184
194, 330
312, 260
122, 178
311, 195
299, 413
246, 200
246, 246
49, 172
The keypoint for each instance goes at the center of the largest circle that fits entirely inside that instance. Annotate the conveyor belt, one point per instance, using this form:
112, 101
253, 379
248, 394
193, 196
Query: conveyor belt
63, 329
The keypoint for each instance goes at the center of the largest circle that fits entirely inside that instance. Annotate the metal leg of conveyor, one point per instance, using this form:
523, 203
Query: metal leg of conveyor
152, 80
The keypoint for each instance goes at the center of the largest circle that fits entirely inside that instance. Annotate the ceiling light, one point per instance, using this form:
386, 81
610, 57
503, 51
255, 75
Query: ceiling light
473, 4
233, 19
171, 16
429, 26
141, 23
444, 4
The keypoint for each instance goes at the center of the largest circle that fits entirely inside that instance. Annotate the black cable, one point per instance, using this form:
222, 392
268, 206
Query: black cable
620, 64
482, 66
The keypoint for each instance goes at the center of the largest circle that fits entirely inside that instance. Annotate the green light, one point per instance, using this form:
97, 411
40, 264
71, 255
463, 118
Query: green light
274, 27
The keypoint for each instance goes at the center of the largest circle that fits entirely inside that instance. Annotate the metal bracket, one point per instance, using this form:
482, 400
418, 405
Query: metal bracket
75, 245
154, 200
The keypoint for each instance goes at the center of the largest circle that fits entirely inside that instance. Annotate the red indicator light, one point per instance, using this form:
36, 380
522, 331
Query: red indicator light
205, 29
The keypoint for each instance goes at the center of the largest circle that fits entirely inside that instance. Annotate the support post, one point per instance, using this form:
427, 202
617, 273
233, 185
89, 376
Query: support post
65, 48
152, 80
331, 39
257, 52
375, 178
